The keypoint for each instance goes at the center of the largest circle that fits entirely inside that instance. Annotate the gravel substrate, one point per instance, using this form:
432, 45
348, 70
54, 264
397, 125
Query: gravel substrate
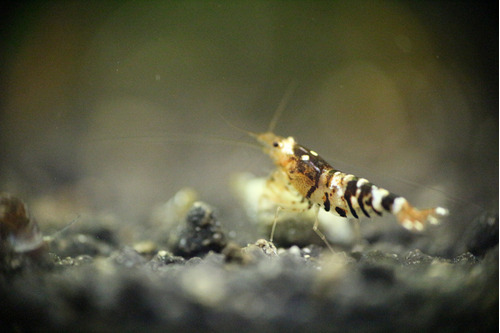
202, 281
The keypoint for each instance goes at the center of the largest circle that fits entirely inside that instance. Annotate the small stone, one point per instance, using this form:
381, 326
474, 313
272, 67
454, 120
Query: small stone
145, 247
127, 257
380, 258
267, 247
417, 258
234, 254
163, 258
465, 259
482, 234
260, 249
200, 233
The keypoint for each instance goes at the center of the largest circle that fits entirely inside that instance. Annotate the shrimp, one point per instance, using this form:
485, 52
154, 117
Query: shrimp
309, 177
303, 180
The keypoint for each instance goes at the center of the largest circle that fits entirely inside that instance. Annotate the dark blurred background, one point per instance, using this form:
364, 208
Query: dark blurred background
115, 105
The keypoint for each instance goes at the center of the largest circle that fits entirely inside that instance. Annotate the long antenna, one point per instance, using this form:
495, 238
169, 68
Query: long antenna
252, 134
178, 138
59, 232
283, 103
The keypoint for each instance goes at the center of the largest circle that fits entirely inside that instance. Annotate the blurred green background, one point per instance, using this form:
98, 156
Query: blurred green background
114, 105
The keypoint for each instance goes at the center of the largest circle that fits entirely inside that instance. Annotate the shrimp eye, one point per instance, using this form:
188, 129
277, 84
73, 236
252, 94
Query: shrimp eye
275, 144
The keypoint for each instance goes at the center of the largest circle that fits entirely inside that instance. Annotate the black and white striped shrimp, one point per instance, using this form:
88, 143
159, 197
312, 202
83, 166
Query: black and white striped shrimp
303, 180
303, 172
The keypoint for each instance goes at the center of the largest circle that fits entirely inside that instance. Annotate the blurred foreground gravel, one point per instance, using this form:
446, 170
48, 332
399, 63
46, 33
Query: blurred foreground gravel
199, 280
